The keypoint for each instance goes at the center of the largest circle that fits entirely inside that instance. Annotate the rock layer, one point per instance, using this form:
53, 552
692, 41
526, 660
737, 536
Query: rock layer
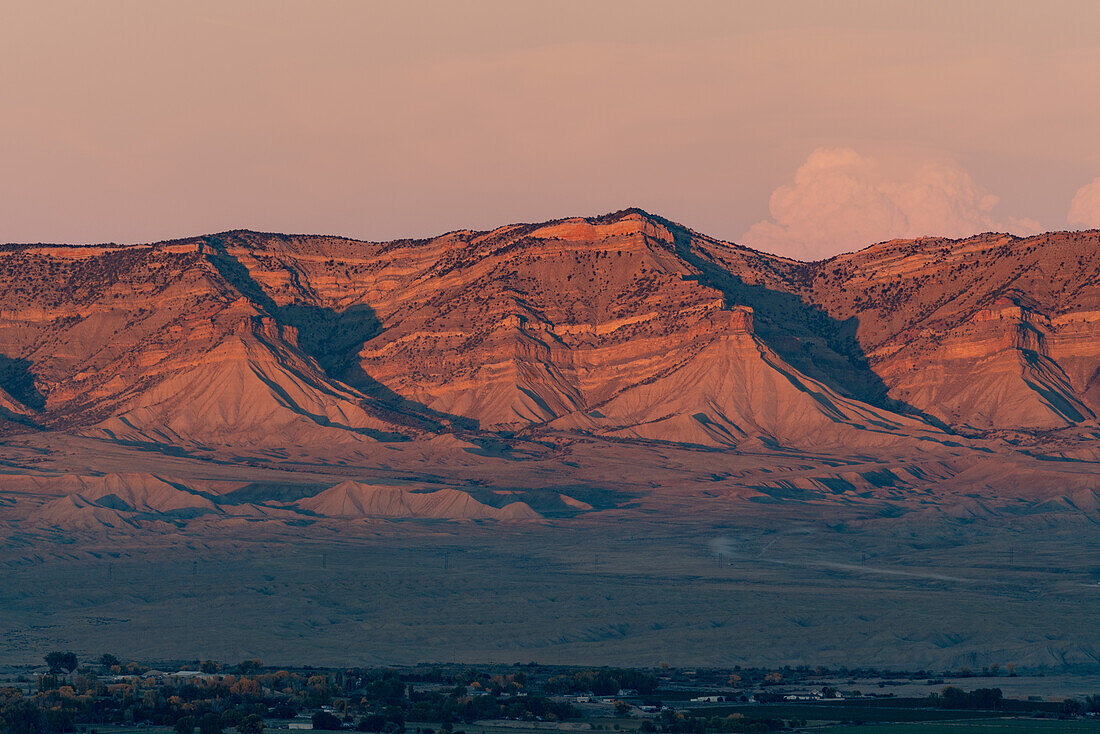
627, 326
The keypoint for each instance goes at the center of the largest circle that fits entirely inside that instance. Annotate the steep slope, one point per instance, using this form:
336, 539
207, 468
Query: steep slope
736, 388
612, 326
12, 408
136, 492
989, 332
169, 344
74, 512
247, 390
13, 415
355, 500
116, 501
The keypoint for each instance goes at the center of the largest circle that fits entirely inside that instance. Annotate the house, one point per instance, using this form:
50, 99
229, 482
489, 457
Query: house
301, 721
811, 696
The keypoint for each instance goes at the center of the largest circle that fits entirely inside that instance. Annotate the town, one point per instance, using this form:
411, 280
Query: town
108, 695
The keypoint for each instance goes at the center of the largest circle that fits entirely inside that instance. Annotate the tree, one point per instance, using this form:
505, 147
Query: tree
107, 660
371, 722
249, 667
986, 698
185, 725
325, 721
1071, 707
979, 698
20, 716
208, 666
53, 660
284, 710
59, 661
251, 724
210, 724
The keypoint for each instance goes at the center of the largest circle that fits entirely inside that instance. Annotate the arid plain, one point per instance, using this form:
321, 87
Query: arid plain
591, 440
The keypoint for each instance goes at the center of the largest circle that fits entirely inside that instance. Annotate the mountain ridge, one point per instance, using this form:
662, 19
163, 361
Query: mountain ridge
284, 294
623, 352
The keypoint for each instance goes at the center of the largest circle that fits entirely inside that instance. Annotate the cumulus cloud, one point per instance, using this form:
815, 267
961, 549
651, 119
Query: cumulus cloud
841, 201
1084, 210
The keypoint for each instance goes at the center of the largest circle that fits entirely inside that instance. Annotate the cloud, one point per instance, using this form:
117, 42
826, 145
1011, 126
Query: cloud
841, 201
1084, 210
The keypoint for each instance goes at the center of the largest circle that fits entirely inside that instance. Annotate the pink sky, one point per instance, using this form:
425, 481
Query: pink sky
805, 128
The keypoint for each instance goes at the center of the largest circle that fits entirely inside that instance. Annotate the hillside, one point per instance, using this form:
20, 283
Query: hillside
589, 323
574, 356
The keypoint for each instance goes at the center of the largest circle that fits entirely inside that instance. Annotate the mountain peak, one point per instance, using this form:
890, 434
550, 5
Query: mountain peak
631, 212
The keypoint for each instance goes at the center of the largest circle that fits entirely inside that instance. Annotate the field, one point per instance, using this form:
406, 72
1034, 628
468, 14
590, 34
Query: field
984, 726
977, 726
717, 591
846, 712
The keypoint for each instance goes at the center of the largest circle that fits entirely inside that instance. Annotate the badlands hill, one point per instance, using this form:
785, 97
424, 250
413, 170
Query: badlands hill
353, 499
456, 357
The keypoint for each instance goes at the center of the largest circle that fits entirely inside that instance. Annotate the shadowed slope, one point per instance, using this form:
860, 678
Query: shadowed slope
608, 325
989, 332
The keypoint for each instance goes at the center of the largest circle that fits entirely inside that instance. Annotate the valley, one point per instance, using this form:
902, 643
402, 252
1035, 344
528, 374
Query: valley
594, 439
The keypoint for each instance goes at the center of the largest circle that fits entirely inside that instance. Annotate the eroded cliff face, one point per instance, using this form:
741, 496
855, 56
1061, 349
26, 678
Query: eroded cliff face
991, 332
626, 326
602, 327
163, 344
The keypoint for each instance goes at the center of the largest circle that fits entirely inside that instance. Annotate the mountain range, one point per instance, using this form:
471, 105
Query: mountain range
540, 362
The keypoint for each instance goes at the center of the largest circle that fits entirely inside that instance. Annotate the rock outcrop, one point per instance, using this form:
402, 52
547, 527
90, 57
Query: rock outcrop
626, 326
115, 501
991, 332
357, 500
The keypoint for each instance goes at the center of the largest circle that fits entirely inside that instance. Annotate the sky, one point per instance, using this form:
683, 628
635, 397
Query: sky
803, 128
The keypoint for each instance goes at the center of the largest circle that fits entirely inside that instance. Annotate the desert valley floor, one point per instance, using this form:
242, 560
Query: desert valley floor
702, 571
607, 439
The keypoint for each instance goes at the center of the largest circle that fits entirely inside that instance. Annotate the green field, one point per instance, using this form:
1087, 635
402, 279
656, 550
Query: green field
979, 726
982, 726
842, 712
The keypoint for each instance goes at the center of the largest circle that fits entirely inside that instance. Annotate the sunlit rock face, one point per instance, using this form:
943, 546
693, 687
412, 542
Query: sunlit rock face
991, 332
626, 326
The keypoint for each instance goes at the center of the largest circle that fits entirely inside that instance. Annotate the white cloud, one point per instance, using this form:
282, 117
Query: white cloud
1084, 211
841, 201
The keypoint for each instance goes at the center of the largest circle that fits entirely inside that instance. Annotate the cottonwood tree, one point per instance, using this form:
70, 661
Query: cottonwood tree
59, 661
210, 724
251, 724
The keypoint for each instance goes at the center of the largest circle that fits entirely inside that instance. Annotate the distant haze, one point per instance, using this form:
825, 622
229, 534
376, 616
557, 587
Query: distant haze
804, 128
